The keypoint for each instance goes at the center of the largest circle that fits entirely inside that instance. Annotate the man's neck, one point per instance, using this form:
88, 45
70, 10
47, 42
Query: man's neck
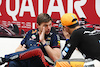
71, 30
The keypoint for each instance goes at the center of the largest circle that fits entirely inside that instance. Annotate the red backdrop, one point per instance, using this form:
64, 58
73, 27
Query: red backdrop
24, 12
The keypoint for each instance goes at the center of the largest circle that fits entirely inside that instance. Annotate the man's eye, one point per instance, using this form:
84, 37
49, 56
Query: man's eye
45, 25
50, 24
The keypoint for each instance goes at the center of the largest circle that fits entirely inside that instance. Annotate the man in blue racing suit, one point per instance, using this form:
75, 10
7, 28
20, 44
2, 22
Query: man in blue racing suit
36, 44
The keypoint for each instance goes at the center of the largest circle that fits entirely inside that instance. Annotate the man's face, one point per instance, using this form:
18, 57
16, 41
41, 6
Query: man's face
66, 29
47, 26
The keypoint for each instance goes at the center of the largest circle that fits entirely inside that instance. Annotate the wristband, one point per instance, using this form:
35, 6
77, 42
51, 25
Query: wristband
45, 44
67, 39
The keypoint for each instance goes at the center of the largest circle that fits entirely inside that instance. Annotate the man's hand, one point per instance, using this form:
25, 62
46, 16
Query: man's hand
23, 47
42, 36
65, 33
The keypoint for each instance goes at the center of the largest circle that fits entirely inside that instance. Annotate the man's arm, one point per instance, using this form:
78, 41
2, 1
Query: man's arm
54, 53
22, 46
71, 43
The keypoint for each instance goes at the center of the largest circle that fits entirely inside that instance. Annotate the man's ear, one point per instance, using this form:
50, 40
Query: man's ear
67, 28
37, 25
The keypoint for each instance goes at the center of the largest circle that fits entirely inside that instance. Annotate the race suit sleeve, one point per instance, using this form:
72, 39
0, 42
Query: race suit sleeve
55, 41
26, 37
71, 44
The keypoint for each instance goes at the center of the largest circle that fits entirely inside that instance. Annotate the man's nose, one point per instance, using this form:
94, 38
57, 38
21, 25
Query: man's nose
49, 27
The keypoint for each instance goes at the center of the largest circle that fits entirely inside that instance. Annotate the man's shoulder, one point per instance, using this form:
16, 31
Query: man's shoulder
32, 31
79, 30
54, 35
